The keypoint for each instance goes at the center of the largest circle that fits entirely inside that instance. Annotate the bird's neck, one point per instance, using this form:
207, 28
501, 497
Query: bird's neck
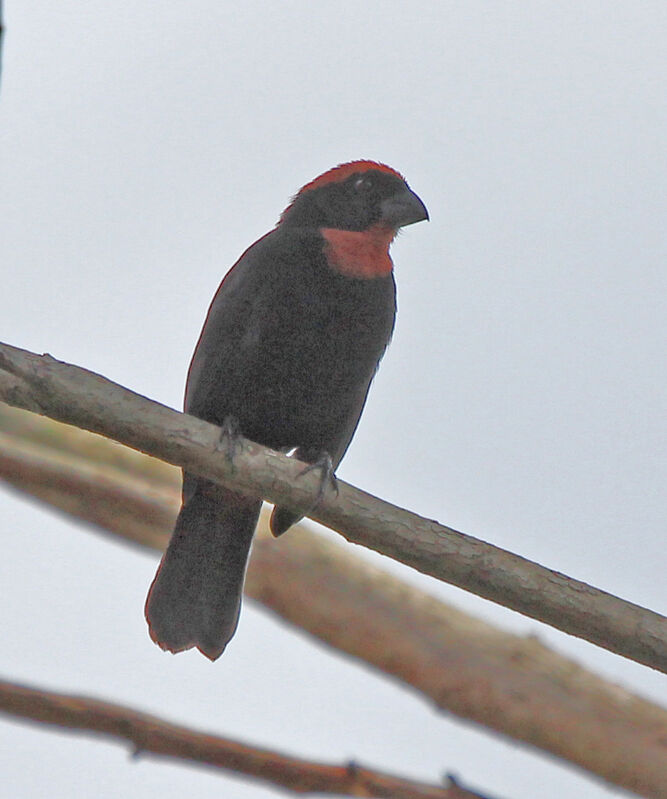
360, 254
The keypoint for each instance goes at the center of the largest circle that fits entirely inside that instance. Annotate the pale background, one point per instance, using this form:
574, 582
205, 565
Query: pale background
145, 144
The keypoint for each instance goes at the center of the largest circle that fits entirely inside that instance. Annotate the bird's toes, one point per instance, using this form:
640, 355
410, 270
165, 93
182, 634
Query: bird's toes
327, 475
230, 438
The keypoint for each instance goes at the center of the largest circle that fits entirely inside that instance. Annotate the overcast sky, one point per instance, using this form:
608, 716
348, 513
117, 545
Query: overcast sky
145, 145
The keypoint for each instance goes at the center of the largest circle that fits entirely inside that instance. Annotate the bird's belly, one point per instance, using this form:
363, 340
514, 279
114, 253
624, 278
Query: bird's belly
305, 402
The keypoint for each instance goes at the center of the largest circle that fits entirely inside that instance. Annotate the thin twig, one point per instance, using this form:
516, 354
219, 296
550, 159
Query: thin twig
156, 736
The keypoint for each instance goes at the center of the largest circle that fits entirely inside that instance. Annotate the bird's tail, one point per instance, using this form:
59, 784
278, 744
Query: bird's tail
195, 597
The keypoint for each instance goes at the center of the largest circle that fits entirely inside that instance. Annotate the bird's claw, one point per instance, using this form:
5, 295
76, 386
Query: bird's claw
327, 478
230, 438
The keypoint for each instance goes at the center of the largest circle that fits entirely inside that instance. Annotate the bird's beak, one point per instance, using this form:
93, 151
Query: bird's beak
401, 209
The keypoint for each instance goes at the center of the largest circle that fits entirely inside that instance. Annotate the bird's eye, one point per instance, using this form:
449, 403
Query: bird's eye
362, 184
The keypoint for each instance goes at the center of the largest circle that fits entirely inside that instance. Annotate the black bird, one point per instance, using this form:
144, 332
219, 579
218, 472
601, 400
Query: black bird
290, 345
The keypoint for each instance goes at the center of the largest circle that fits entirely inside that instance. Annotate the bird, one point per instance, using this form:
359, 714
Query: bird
291, 342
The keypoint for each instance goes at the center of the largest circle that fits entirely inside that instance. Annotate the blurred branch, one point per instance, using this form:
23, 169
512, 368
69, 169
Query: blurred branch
76, 396
151, 734
513, 685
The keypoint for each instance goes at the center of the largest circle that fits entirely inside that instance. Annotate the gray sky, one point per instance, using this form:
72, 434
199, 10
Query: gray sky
144, 145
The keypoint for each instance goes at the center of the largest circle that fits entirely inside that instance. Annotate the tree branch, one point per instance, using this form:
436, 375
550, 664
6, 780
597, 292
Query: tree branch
76, 396
513, 685
154, 735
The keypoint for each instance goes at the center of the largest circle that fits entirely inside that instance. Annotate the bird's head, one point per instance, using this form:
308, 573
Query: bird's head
356, 196
357, 208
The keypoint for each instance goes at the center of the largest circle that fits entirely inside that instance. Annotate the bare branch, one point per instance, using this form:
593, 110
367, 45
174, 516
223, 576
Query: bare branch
150, 734
513, 685
76, 396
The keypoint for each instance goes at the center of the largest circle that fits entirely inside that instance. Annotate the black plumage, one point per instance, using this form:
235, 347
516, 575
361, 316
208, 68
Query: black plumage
290, 345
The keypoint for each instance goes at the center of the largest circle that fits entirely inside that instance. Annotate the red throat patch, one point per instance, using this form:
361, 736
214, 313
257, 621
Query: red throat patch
361, 254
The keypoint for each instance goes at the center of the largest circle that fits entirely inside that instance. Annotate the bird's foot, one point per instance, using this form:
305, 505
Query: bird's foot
327, 475
283, 518
230, 438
